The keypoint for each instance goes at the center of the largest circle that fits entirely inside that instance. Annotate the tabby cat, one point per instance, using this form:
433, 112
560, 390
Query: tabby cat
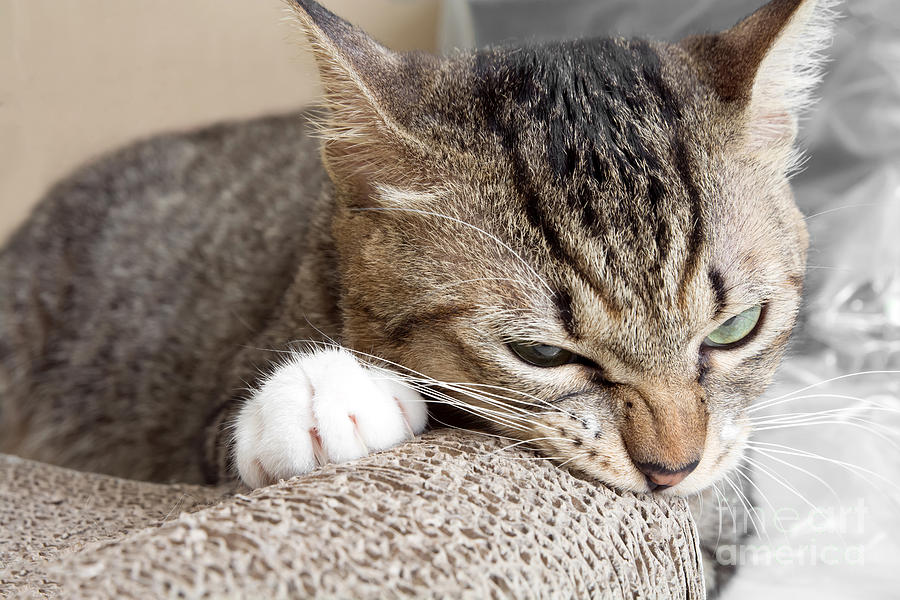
588, 244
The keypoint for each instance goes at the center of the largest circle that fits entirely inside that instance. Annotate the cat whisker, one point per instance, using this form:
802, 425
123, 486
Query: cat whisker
540, 401
770, 401
420, 378
828, 268
720, 497
491, 416
837, 208
528, 441
503, 411
846, 410
768, 448
780, 480
740, 471
576, 457
477, 431
532, 458
505, 400
421, 381
857, 414
699, 496
867, 426
748, 506
806, 472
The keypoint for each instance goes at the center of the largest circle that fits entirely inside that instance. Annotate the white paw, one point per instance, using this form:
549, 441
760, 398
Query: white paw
317, 408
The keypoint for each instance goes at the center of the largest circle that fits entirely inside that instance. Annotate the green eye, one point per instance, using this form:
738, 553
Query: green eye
734, 329
541, 355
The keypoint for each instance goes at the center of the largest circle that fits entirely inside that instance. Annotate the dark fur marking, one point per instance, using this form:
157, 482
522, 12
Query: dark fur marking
585, 102
652, 72
563, 301
718, 285
695, 238
569, 395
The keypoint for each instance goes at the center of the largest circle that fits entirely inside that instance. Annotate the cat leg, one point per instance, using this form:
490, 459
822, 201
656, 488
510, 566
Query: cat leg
318, 408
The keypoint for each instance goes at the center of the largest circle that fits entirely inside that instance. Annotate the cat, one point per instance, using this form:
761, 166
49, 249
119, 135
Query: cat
589, 244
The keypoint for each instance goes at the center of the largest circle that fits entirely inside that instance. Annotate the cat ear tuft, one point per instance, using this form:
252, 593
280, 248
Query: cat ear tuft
768, 64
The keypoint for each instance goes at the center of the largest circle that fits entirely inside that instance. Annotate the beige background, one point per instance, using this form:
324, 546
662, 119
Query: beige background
81, 77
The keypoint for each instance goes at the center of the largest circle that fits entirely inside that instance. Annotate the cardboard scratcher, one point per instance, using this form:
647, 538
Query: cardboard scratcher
450, 514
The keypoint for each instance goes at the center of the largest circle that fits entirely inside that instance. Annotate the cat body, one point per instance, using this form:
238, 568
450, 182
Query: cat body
590, 246
136, 296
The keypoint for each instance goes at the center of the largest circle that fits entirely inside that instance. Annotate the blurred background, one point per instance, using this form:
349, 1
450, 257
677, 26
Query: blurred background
81, 77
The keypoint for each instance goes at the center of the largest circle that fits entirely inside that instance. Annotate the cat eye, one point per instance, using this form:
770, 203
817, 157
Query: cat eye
542, 355
735, 329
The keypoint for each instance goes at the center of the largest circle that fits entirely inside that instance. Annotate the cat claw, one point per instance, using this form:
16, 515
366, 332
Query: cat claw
359, 437
410, 434
318, 451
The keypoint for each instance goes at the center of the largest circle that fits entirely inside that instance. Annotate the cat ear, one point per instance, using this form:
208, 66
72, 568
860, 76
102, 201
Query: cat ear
368, 90
768, 64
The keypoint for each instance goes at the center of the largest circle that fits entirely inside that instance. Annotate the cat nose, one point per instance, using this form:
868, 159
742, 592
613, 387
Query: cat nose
660, 478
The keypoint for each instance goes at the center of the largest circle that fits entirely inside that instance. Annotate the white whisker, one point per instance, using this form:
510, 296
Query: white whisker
825, 381
782, 400
768, 447
748, 506
756, 464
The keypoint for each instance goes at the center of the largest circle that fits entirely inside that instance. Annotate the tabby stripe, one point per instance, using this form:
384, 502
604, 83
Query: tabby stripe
652, 71
695, 238
563, 301
718, 285
540, 221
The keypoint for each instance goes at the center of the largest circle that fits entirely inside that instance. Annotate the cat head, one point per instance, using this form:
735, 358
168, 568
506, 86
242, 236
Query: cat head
592, 244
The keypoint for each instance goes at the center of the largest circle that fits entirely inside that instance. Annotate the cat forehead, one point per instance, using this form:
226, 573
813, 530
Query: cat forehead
611, 105
604, 159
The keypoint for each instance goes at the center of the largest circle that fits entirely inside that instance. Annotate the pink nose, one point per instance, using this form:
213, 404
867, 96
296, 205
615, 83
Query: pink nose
660, 478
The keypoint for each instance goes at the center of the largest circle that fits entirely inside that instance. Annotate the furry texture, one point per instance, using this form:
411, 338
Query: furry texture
617, 198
